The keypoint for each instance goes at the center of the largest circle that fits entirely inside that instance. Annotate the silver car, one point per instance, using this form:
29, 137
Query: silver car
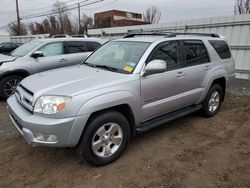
41, 55
127, 86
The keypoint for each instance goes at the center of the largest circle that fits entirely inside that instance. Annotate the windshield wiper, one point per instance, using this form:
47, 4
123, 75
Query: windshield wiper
107, 68
89, 64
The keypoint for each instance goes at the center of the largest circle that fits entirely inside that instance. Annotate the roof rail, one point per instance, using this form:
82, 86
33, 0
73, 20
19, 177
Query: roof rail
132, 35
214, 35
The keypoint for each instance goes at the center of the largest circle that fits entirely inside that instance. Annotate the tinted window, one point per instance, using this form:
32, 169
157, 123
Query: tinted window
195, 53
76, 47
8, 45
169, 52
221, 48
92, 46
52, 49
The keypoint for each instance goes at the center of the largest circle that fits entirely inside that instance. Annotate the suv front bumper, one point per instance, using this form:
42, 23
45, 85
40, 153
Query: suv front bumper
67, 130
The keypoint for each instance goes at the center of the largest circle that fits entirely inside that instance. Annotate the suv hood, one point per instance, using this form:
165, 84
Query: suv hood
6, 58
71, 81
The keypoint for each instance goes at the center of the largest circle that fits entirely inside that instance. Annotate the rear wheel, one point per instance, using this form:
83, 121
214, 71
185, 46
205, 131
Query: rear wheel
8, 86
105, 138
213, 100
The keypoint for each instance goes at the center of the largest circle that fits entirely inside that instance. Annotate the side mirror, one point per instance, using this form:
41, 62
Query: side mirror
37, 54
155, 66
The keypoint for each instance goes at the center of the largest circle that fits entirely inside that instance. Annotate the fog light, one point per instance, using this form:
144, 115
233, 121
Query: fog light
39, 136
45, 137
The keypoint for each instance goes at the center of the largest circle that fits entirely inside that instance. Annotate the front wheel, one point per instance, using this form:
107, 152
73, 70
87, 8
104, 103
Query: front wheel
213, 100
105, 138
8, 86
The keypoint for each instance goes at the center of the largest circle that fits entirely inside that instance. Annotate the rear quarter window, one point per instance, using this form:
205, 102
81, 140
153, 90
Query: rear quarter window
221, 48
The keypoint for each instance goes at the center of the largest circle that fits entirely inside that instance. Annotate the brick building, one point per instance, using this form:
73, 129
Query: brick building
117, 18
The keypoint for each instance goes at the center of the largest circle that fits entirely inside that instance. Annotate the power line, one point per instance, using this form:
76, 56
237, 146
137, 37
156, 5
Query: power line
51, 11
57, 12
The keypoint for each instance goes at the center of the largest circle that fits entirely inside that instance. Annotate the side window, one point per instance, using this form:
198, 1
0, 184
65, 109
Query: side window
8, 45
52, 49
195, 53
76, 47
169, 52
92, 46
221, 48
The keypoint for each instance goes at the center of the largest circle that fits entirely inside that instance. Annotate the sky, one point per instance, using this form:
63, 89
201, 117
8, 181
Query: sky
172, 10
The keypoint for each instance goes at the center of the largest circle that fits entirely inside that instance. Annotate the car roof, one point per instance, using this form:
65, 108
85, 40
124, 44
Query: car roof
71, 39
151, 39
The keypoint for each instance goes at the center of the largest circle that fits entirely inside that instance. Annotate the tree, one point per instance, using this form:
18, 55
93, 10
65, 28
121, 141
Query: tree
86, 23
242, 7
152, 15
14, 30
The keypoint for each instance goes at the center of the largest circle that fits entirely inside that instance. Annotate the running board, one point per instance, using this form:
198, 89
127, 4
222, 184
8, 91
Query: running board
155, 122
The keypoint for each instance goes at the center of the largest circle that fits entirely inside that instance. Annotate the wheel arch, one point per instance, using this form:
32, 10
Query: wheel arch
218, 77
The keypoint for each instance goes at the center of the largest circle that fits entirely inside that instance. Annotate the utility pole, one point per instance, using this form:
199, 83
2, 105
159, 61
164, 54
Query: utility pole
18, 18
79, 17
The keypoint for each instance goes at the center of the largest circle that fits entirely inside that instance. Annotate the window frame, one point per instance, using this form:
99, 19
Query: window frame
180, 63
184, 53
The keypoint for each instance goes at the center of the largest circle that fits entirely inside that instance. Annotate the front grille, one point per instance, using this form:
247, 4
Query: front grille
25, 97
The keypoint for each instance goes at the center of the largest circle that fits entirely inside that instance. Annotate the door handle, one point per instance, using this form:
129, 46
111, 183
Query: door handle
63, 60
180, 74
207, 67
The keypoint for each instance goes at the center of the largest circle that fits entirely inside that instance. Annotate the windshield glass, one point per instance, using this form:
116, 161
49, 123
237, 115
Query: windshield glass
118, 56
25, 49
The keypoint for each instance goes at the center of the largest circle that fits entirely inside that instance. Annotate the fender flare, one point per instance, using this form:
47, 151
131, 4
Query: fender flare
220, 73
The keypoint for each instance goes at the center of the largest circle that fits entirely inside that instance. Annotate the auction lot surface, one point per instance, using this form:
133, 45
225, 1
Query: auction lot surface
189, 152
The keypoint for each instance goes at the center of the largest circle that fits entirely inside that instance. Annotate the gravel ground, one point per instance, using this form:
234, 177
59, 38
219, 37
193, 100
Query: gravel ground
189, 152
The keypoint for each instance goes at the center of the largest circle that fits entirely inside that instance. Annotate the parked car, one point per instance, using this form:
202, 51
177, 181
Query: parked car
127, 86
41, 55
7, 47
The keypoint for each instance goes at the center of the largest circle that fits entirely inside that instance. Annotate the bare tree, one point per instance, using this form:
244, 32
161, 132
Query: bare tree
86, 23
242, 7
14, 30
152, 15
63, 17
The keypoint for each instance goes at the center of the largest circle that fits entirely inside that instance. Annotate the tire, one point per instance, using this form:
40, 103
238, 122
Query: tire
4, 85
213, 100
106, 122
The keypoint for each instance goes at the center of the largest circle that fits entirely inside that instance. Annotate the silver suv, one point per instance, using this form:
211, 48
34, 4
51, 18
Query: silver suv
127, 86
41, 55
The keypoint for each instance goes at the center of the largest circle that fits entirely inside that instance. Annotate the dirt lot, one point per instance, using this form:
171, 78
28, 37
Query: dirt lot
190, 152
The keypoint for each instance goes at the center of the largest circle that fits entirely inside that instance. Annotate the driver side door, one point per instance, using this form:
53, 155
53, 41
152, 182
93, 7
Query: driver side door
53, 57
161, 93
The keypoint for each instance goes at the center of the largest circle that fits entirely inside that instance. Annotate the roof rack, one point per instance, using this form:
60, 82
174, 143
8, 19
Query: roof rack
214, 35
169, 34
132, 35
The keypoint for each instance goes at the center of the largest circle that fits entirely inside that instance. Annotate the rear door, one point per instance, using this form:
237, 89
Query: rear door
196, 67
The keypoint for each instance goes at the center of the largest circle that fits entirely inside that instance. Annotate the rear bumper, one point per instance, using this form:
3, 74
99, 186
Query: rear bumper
67, 130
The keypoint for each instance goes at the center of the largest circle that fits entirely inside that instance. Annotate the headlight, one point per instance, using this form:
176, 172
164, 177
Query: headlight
51, 104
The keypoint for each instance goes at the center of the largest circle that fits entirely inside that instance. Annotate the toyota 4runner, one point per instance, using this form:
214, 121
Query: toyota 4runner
127, 86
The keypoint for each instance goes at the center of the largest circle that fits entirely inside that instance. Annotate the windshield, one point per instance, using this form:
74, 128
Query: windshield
118, 56
25, 49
